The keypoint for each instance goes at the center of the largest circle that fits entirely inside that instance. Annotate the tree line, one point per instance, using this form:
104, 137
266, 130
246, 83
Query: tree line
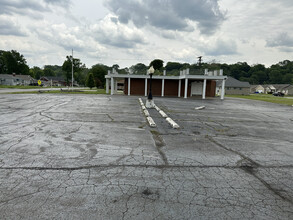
14, 62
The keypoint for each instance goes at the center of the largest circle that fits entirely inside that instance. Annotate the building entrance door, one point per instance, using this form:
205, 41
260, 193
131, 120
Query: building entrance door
196, 88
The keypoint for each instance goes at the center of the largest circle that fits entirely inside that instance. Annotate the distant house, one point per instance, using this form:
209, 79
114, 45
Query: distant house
257, 89
13, 79
53, 80
25, 80
269, 89
289, 90
234, 87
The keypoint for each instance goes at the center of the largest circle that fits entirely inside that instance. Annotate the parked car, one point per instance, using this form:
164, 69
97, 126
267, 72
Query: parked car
278, 94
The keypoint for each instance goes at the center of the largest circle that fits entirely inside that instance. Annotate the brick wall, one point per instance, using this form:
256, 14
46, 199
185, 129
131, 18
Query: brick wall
137, 87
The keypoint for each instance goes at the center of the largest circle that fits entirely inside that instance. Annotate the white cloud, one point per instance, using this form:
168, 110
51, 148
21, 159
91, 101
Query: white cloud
111, 32
62, 35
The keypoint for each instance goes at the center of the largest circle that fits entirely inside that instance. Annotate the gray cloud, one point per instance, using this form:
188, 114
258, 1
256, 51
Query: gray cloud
169, 14
8, 27
221, 47
63, 3
281, 40
30, 8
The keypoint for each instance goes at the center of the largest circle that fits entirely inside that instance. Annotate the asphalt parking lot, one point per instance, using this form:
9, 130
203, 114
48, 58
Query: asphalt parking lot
95, 157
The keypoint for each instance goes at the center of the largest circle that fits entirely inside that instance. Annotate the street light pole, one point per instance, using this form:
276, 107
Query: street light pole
150, 102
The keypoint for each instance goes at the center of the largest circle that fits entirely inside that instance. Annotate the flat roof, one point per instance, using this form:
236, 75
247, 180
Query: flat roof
202, 77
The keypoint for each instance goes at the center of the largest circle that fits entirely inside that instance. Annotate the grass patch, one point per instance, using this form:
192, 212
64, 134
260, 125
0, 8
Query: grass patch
19, 87
154, 132
266, 98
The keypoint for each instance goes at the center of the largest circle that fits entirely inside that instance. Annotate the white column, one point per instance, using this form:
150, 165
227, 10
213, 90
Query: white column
129, 86
112, 86
146, 87
185, 89
206, 72
107, 86
163, 86
204, 89
179, 88
223, 89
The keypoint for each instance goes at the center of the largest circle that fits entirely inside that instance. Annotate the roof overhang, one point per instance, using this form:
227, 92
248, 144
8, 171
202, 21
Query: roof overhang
192, 77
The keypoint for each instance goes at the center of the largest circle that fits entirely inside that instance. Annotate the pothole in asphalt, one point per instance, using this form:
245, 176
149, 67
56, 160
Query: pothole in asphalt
147, 193
248, 168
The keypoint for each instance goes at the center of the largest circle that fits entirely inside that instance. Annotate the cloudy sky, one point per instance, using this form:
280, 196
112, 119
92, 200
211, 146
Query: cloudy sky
127, 32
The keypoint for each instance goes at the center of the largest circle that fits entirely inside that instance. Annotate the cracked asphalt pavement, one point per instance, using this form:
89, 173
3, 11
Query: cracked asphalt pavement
95, 157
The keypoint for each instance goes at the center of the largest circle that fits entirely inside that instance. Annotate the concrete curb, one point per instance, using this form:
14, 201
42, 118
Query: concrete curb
151, 122
199, 108
147, 114
172, 123
157, 108
163, 114
168, 119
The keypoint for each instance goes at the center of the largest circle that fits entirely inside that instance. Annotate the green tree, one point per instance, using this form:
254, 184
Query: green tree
173, 66
288, 78
115, 66
157, 64
90, 82
99, 71
67, 68
54, 70
81, 76
13, 62
48, 71
275, 76
259, 77
36, 72
138, 69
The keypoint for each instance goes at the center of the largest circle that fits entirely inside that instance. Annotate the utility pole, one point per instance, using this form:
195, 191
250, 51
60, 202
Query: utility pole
72, 72
199, 63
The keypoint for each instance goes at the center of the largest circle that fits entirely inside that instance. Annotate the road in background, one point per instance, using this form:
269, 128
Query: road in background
8, 90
